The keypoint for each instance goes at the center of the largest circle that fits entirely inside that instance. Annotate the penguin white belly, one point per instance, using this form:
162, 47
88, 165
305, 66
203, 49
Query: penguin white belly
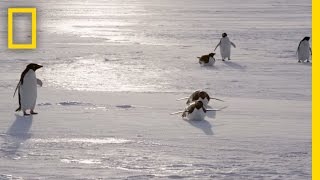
204, 101
28, 91
225, 48
197, 114
210, 63
303, 52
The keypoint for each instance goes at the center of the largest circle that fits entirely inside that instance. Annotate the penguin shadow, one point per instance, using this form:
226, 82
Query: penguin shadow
17, 134
209, 67
234, 65
211, 114
204, 125
306, 63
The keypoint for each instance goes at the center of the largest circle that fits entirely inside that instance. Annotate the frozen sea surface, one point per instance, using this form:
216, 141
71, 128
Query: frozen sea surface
151, 46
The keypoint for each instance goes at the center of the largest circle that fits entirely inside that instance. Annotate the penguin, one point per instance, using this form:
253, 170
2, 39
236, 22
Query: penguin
303, 50
207, 60
195, 111
27, 89
225, 47
200, 96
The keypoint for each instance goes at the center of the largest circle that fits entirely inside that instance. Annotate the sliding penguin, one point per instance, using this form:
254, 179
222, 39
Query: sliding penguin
207, 60
27, 89
200, 96
304, 50
195, 111
225, 46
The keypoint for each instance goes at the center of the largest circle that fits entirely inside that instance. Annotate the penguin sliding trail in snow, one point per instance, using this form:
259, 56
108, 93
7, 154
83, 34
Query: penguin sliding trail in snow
207, 60
304, 50
225, 47
27, 89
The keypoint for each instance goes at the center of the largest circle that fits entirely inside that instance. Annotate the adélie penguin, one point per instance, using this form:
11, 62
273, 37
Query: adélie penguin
304, 50
195, 111
225, 47
199, 95
27, 89
207, 60
202, 96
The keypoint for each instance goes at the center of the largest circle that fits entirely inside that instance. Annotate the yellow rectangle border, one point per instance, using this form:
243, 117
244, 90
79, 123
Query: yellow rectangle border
315, 91
33, 12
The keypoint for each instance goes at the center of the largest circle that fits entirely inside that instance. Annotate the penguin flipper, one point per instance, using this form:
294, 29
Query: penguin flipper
39, 82
18, 85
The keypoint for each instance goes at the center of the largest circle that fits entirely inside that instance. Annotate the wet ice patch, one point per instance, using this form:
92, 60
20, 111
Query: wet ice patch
74, 103
125, 106
9, 177
81, 161
44, 104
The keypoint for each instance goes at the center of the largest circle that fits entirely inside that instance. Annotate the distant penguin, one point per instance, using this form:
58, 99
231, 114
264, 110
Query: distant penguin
195, 111
207, 60
304, 50
27, 89
225, 47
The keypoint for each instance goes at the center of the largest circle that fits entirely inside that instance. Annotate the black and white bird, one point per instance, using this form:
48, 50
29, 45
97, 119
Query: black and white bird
304, 50
225, 47
207, 60
27, 89
195, 111
199, 95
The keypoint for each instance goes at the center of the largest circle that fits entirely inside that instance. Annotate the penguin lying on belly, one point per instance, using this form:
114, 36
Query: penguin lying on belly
200, 96
27, 89
195, 111
207, 60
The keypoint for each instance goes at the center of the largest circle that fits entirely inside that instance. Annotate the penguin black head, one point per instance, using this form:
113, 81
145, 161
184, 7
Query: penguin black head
203, 94
224, 35
33, 66
212, 54
199, 104
306, 38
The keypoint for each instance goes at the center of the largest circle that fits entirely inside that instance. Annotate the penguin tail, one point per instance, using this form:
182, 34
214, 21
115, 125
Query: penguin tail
18, 109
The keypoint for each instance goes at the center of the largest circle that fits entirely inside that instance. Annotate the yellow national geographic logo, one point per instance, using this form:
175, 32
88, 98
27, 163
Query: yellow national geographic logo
11, 44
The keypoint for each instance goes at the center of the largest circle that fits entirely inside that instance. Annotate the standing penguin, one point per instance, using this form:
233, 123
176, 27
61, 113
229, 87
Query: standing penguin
225, 46
27, 89
303, 50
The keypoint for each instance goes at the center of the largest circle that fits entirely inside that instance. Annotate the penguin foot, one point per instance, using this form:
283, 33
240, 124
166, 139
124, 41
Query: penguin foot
32, 112
299, 61
222, 59
18, 109
25, 114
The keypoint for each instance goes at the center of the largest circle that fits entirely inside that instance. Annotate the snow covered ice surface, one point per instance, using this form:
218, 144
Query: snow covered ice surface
114, 69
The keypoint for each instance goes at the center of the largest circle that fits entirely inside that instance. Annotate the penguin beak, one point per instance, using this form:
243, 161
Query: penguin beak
38, 66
